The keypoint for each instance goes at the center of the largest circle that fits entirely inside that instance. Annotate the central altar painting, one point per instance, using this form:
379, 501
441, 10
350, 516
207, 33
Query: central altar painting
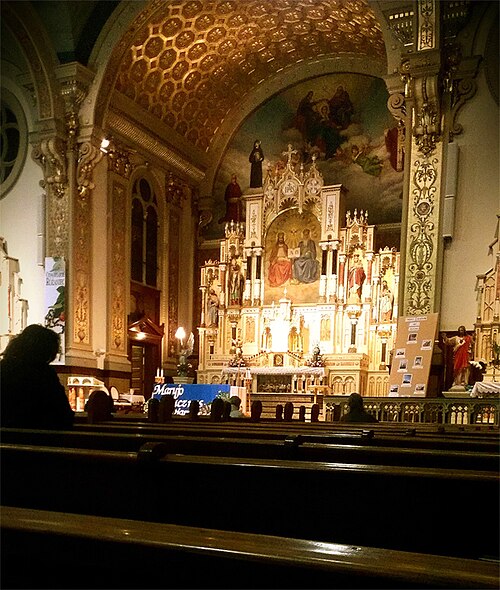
292, 257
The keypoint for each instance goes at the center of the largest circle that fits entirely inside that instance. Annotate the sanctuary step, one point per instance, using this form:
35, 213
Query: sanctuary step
271, 400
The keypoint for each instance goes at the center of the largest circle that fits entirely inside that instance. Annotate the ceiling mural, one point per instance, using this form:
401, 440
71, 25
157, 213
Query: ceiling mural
193, 61
340, 118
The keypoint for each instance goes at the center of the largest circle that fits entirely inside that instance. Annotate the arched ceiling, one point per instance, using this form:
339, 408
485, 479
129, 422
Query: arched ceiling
193, 61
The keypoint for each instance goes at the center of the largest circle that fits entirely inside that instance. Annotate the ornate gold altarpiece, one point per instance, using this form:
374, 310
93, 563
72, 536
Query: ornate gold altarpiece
278, 327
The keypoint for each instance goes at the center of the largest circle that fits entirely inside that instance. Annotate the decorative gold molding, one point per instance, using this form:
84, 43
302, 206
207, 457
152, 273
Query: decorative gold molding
152, 145
119, 160
397, 106
50, 155
426, 123
88, 158
423, 235
176, 191
426, 38
81, 264
117, 275
463, 90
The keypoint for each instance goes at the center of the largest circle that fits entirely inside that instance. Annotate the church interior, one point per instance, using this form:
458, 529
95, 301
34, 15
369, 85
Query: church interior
296, 198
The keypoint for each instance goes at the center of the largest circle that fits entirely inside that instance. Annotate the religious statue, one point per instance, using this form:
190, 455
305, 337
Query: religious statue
462, 355
183, 366
236, 282
386, 301
256, 158
267, 339
213, 308
232, 198
356, 279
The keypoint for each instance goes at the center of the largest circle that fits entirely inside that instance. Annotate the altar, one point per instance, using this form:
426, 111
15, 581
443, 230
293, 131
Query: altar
301, 274
485, 389
277, 379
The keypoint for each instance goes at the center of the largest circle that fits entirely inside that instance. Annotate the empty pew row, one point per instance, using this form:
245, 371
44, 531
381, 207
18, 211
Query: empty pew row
351, 449
79, 551
443, 512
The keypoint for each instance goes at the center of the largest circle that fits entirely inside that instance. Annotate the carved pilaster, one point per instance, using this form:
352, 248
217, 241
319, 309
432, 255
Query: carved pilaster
117, 275
81, 260
426, 161
50, 154
423, 231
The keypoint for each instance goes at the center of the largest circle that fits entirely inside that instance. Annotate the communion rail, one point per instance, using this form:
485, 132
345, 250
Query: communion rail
442, 410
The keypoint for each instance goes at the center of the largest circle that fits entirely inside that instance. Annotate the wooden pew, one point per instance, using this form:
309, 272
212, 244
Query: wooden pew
42, 549
406, 508
451, 437
372, 435
346, 449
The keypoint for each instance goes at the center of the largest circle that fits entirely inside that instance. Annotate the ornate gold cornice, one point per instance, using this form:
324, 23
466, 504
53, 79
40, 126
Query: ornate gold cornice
119, 159
176, 191
152, 146
88, 157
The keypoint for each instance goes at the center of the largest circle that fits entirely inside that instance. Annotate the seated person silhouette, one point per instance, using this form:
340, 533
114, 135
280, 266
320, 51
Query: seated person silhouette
357, 412
32, 396
235, 407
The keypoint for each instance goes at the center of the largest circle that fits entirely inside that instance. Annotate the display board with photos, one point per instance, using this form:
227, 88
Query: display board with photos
412, 355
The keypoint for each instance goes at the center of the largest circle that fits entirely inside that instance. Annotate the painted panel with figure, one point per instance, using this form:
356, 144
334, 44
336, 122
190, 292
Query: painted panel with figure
292, 257
343, 120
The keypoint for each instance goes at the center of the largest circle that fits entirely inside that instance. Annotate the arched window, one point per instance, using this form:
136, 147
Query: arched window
144, 243
13, 141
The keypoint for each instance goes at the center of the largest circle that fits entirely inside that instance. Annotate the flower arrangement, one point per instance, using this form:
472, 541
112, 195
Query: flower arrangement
316, 359
237, 361
184, 369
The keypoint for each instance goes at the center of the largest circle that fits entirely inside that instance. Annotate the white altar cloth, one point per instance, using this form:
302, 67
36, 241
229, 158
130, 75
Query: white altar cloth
485, 388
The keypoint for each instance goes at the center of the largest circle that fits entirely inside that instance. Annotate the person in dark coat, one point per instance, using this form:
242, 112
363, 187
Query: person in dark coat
31, 395
357, 412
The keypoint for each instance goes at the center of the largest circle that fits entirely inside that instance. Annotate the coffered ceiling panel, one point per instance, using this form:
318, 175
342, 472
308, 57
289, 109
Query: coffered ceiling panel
193, 61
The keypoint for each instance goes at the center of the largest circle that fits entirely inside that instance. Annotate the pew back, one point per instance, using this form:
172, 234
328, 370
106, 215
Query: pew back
409, 508
79, 551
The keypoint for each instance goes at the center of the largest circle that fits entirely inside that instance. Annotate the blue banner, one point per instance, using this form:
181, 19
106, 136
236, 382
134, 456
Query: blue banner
185, 393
